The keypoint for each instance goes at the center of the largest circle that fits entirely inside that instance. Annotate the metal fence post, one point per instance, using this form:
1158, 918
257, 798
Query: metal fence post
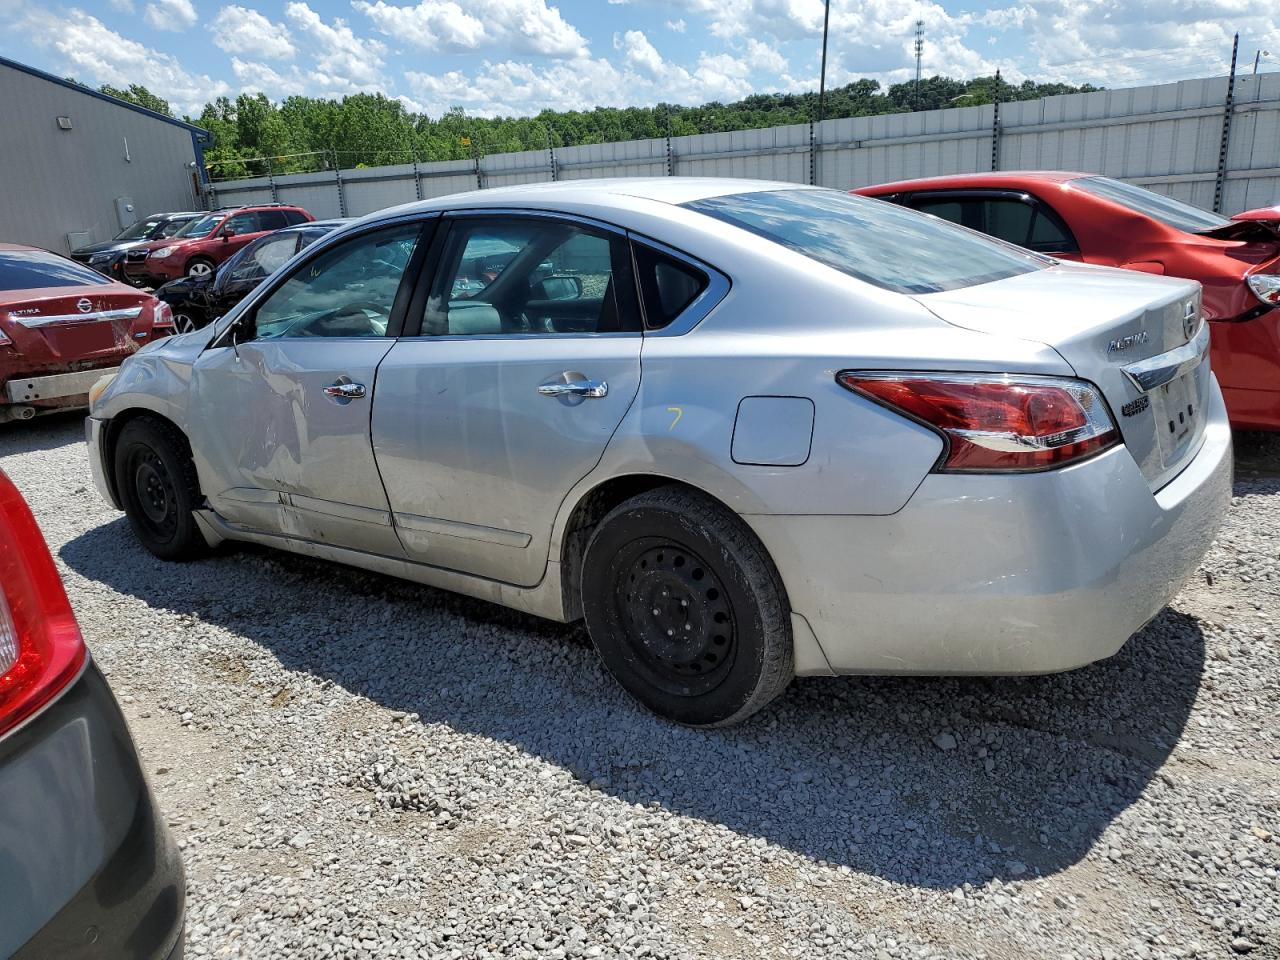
337, 179
813, 157
995, 126
275, 194
417, 179
671, 160
1228, 109
479, 175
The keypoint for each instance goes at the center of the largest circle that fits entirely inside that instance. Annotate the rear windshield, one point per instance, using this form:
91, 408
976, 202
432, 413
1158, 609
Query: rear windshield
872, 240
33, 269
1166, 210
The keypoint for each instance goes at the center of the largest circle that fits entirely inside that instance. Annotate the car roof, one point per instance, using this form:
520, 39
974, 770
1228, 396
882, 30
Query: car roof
567, 194
994, 179
13, 247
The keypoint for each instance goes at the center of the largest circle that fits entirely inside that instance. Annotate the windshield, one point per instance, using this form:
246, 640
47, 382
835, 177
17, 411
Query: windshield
202, 227
877, 242
35, 269
139, 231
1166, 210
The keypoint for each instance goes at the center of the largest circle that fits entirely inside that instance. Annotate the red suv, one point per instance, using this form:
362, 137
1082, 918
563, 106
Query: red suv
198, 248
1079, 216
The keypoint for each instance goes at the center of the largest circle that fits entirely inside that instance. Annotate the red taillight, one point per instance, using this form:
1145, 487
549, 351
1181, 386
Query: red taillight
41, 649
997, 422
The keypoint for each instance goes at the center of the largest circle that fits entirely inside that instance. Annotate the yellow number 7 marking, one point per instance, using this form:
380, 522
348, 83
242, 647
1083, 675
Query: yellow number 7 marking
679, 412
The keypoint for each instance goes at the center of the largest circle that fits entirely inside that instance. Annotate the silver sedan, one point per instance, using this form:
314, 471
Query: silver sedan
746, 430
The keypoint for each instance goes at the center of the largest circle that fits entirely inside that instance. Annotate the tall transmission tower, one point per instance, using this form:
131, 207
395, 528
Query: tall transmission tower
919, 57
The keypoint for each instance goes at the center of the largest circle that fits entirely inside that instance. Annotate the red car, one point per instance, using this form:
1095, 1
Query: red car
62, 326
198, 248
1078, 216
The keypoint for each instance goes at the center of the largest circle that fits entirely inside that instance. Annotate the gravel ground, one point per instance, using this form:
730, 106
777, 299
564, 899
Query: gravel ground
358, 767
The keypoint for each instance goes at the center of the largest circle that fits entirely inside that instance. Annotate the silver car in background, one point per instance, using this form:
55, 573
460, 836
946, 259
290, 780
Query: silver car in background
746, 430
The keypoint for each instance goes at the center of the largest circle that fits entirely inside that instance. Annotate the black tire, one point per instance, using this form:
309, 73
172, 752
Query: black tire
157, 483
199, 267
733, 653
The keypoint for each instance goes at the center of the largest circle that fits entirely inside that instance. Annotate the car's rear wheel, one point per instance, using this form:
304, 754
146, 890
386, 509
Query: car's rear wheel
199, 267
157, 483
686, 609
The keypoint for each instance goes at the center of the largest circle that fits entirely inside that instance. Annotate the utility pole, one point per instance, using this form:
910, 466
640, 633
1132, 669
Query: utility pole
1256, 57
919, 56
822, 78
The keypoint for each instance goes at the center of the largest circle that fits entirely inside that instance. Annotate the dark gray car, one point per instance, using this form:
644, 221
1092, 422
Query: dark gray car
108, 256
87, 866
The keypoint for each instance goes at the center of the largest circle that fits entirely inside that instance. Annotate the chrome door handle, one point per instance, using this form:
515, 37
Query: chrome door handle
575, 388
345, 391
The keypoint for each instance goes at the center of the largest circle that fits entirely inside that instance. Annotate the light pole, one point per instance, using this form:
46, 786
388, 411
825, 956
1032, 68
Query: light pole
822, 78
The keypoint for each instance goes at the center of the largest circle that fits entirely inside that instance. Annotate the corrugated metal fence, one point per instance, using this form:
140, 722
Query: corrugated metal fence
1169, 138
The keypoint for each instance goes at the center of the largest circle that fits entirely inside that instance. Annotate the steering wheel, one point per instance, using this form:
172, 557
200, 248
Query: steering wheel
350, 319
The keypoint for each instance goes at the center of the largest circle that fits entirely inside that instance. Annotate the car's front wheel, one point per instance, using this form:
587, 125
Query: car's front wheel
185, 320
200, 267
686, 609
157, 483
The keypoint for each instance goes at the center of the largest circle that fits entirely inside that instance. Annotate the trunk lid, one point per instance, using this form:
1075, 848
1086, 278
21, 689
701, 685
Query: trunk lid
1139, 338
72, 328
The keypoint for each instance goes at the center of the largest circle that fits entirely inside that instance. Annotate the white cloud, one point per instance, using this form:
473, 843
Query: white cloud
640, 77
764, 57
344, 63
255, 77
676, 26
88, 49
124, 6
238, 29
175, 15
512, 26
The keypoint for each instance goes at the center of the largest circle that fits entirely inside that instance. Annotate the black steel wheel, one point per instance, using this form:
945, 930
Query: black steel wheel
157, 484
686, 609
676, 615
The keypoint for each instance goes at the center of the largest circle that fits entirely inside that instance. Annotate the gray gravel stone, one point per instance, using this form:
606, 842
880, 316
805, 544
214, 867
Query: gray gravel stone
358, 767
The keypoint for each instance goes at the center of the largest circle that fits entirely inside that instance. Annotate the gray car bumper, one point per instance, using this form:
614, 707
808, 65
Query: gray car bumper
989, 574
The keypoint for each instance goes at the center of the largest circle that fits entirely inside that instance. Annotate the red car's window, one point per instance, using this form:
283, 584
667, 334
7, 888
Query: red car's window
33, 269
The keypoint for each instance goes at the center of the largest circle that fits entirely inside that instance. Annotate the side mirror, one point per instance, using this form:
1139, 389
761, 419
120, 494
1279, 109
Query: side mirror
227, 234
557, 288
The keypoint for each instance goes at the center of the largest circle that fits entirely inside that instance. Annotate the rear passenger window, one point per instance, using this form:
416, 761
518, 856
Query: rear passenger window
667, 285
272, 219
1009, 220
1050, 236
967, 213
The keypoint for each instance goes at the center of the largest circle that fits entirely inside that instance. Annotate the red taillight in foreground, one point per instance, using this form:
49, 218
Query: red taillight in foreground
41, 649
996, 422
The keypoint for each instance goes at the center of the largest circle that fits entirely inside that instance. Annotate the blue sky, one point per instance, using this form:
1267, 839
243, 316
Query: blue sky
519, 56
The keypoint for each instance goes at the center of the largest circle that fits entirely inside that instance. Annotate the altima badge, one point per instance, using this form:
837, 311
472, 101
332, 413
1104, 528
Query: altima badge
1121, 344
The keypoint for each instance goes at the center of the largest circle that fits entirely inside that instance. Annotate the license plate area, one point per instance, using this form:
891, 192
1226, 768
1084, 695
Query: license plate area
1177, 406
75, 340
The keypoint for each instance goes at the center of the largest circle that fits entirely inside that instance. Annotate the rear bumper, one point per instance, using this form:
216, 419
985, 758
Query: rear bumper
88, 867
55, 386
1025, 574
